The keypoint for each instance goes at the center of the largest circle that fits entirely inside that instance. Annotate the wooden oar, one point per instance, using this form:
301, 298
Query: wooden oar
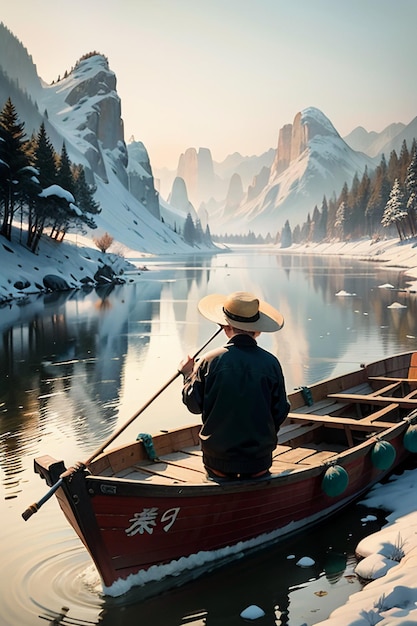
34, 508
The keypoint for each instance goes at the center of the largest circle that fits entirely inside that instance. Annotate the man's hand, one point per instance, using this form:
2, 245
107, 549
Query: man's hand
186, 366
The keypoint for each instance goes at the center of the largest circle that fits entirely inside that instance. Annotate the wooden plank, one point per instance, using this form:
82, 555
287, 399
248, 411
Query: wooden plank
280, 450
303, 456
341, 422
281, 466
391, 387
383, 412
321, 406
376, 400
296, 433
319, 457
171, 471
295, 455
398, 380
150, 477
193, 463
194, 451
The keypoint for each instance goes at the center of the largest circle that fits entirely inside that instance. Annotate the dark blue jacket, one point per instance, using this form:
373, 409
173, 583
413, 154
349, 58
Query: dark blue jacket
239, 389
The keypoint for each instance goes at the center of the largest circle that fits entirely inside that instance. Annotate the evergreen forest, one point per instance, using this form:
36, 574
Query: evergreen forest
40, 189
381, 203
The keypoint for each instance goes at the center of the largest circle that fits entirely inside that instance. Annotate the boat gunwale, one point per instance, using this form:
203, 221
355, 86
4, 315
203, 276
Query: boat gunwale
273, 481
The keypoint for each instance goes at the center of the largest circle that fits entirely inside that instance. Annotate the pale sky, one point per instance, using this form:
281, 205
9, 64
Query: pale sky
228, 74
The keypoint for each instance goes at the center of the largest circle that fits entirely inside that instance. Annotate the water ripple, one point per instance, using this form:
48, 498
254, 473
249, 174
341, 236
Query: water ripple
52, 579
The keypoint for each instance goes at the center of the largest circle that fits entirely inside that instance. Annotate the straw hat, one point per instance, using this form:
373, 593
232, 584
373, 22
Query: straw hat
241, 310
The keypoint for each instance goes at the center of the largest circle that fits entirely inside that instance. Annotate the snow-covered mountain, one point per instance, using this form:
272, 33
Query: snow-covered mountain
311, 160
84, 110
258, 193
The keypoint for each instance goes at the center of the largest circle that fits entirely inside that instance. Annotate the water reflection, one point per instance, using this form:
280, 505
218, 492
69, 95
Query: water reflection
76, 366
83, 361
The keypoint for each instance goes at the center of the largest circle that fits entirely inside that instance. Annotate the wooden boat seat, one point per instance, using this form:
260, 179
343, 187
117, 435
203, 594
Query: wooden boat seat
370, 423
410, 381
376, 399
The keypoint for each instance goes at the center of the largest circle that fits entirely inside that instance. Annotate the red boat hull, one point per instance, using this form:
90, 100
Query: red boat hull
129, 527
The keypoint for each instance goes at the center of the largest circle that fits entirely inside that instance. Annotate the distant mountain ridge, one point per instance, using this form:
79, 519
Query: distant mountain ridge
258, 192
311, 160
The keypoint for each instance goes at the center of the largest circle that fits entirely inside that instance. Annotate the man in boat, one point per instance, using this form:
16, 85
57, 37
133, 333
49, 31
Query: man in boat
239, 389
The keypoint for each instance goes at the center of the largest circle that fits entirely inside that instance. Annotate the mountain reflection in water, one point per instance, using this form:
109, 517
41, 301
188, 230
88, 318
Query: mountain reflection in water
77, 365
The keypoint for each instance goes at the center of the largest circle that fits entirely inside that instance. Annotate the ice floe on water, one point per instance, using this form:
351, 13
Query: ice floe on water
344, 293
396, 305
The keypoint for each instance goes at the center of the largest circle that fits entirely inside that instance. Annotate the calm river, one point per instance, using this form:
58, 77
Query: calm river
76, 366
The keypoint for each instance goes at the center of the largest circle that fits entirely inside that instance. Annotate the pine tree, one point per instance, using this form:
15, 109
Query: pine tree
362, 199
332, 206
315, 224
353, 203
323, 219
207, 235
393, 167
305, 229
14, 166
378, 198
199, 235
189, 229
45, 161
296, 234
286, 236
395, 211
341, 220
411, 191
403, 162
63, 214
64, 176
84, 196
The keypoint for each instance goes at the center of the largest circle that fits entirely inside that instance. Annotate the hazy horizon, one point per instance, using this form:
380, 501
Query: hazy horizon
228, 74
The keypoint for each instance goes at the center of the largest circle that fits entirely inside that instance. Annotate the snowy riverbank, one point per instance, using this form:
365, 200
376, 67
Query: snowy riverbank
74, 260
391, 252
389, 560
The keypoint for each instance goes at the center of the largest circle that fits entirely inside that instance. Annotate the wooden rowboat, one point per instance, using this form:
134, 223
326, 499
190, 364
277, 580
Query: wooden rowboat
137, 515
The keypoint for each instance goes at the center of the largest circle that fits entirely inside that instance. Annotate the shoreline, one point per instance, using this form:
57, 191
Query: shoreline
74, 259
394, 253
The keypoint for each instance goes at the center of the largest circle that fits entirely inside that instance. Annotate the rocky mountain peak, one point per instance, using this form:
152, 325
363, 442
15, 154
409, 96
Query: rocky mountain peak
86, 105
196, 169
294, 138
